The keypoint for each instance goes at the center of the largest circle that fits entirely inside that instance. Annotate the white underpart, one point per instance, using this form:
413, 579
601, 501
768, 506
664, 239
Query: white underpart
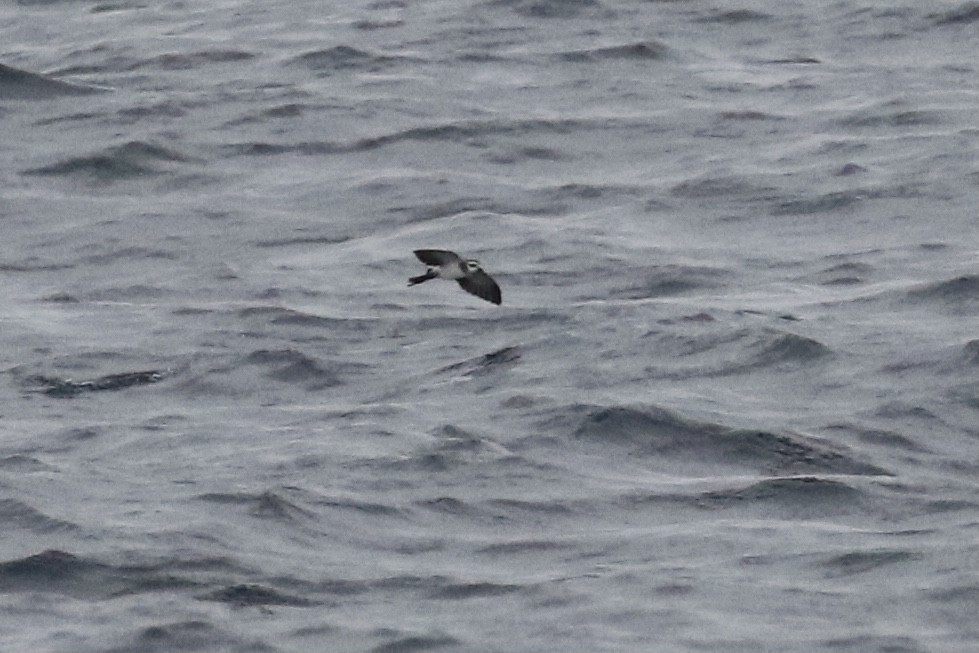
452, 271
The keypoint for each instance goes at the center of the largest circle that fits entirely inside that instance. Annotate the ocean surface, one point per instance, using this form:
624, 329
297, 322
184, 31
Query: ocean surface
730, 401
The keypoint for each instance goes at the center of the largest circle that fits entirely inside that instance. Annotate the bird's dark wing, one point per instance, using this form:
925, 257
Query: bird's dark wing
436, 256
482, 285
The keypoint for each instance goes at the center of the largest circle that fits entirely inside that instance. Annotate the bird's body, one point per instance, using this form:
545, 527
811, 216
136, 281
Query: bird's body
443, 264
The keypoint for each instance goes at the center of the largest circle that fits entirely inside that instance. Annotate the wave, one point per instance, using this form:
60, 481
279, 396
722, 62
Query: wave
344, 58
804, 489
713, 354
787, 348
517, 547
728, 186
859, 562
550, 8
264, 505
849, 169
970, 352
17, 515
291, 317
486, 363
889, 440
16, 84
191, 635
415, 643
62, 572
453, 448
65, 388
662, 437
118, 163
964, 14
820, 204
670, 280
291, 366
892, 117
641, 51
845, 274
249, 594
22, 463
134, 293
735, 17
461, 131
959, 294
797, 497
192, 60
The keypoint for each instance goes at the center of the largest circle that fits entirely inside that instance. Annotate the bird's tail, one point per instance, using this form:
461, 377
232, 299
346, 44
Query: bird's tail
429, 274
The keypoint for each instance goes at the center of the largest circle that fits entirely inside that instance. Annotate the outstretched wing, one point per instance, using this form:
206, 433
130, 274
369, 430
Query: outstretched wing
482, 285
436, 256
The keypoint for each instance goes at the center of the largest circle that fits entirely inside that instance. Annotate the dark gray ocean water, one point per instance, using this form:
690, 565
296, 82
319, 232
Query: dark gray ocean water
729, 402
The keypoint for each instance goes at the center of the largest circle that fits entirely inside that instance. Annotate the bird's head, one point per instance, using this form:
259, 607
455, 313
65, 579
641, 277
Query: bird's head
472, 265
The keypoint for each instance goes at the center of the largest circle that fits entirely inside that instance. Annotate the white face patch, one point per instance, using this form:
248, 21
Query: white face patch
443, 264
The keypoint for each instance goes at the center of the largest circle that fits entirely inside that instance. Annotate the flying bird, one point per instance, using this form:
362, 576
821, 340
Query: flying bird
443, 264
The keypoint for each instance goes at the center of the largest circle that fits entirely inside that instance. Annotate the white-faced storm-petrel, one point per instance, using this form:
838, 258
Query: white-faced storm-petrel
443, 264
